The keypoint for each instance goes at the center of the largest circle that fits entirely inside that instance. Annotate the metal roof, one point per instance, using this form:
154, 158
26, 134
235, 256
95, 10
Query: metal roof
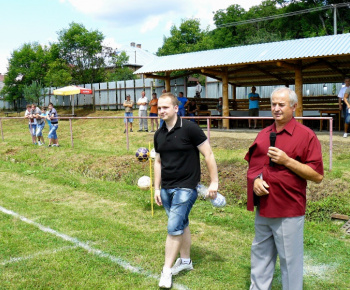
327, 48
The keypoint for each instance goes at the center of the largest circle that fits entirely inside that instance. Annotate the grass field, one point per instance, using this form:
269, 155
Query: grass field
75, 219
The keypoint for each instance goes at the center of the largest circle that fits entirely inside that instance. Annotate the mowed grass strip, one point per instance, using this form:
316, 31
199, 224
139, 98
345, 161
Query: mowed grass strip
90, 193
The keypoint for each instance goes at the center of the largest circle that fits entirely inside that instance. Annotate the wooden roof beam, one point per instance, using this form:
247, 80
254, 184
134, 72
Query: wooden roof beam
152, 76
270, 74
213, 72
333, 67
287, 65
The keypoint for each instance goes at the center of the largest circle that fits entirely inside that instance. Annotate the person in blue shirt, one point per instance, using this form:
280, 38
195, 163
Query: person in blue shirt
183, 102
253, 107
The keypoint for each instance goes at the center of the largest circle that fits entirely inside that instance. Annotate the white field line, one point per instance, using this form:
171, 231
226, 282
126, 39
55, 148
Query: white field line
42, 253
322, 271
85, 246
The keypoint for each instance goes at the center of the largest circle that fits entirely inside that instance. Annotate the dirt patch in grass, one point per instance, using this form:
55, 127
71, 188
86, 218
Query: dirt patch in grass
232, 176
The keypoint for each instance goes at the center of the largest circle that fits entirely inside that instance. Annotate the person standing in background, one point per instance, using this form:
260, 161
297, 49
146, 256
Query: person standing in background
40, 123
342, 105
154, 111
142, 103
128, 104
253, 107
198, 90
31, 123
52, 116
183, 102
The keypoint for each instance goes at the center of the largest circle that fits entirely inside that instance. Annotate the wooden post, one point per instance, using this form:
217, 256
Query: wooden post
234, 92
71, 132
93, 99
225, 106
299, 92
2, 132
167, 83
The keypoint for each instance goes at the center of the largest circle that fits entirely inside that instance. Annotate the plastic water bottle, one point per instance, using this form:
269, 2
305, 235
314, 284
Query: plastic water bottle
219, 201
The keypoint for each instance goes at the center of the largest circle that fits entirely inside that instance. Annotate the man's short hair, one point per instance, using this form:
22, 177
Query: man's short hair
253, 87
293, 98
174, 99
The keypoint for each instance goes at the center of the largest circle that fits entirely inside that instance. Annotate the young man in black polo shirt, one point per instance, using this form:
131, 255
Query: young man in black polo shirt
177, 171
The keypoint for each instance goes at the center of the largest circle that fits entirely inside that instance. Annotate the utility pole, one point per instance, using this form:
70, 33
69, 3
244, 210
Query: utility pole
335, 19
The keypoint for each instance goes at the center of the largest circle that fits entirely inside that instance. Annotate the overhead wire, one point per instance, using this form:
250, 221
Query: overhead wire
331, 6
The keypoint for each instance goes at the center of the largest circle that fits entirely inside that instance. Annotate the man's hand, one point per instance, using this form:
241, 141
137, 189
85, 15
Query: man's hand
157, 197
212, 190
278, 156
260, 187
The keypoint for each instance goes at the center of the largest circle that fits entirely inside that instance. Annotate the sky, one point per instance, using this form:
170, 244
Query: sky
120, 21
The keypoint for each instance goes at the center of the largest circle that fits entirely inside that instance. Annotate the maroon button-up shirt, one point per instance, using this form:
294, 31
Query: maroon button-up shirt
287, 191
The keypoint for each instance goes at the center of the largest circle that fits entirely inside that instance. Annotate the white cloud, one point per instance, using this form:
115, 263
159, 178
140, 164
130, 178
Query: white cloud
150, 15
110, 42
151, 24
3, 62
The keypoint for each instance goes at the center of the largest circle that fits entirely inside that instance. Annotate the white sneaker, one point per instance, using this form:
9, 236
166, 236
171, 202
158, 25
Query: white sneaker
39, 143
166, 280
179, 266
345, 135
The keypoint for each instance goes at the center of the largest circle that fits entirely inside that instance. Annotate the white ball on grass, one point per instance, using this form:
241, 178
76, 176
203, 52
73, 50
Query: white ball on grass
144, 182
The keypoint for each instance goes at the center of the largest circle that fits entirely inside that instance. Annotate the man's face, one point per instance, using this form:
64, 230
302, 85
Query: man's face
253, 90
50, 107
347, 82
281, 110
33, 107
143, 94
166, 110
154, 96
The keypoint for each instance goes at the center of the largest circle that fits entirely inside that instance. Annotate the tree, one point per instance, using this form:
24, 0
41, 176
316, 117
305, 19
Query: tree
59, 74
121, 72
187, 38
227, 36
26, 65
311, 24
34, 92
83, 51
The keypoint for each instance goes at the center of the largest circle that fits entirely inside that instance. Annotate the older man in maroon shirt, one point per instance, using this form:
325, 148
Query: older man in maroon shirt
277, 179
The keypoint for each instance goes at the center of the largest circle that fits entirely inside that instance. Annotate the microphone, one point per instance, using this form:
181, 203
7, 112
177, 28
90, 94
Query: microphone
272, 144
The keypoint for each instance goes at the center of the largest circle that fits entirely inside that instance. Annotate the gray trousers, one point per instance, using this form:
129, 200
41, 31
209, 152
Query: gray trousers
143, 122
282, 236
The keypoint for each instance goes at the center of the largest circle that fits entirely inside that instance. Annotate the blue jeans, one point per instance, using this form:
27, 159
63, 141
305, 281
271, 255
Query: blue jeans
178, 203
52, 133
39, 129
192, 114
32, 129
128, 114
181, 112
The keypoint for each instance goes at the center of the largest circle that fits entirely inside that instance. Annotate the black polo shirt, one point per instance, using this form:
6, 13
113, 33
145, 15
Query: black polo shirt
179, 154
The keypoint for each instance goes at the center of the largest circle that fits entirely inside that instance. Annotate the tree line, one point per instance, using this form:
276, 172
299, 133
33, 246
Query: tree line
190, 37
79, 57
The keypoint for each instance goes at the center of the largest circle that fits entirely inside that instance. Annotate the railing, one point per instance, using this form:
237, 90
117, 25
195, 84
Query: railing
208, 119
